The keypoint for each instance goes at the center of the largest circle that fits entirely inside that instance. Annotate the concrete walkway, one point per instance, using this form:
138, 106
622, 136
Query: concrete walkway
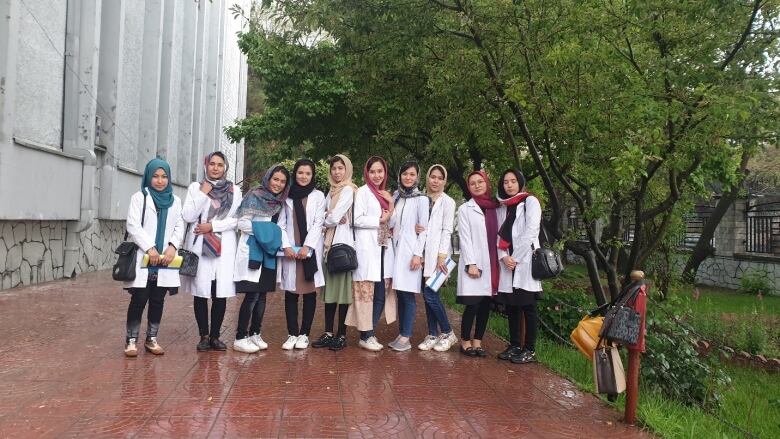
63, 374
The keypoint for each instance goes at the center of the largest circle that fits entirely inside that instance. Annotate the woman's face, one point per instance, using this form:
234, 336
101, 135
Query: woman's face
278, 182
304, 175
409, 177
436, 181
216, 168
338, 171
376, 173
477, 185
511, 186
159, 180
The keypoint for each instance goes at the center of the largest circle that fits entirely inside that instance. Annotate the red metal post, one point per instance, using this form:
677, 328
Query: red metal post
635, 351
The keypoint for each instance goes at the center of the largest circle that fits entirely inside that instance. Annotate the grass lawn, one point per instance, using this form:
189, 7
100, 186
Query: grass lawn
752, 401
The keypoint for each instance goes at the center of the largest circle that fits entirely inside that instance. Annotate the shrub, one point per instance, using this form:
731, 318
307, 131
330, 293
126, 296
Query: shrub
756, 281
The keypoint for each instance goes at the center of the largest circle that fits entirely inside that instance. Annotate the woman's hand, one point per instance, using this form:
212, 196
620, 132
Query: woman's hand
289, 253
206, 187
388, 285
168, 256
385, 216
474, 272
303, 253
418, 229
154, 256
343, 220
203, 228
416, 263
509, 262
387, 196
441, 265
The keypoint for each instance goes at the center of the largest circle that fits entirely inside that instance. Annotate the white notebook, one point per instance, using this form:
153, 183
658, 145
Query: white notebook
437, 279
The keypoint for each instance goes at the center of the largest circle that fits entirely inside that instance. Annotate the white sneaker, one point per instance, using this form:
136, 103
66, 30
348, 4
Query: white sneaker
245, 345
372, 344
303, 342
446, 341
290, 343
428, 343
258, 341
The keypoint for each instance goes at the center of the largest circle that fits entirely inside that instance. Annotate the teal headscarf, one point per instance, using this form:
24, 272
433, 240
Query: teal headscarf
162, 200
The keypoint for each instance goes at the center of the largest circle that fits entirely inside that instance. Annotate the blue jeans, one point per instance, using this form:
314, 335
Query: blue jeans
435, 312
379, 306
407, 306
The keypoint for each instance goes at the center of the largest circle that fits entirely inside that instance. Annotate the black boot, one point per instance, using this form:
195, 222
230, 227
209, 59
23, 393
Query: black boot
204, 344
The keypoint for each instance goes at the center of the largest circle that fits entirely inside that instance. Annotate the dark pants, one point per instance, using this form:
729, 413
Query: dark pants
252, 308
436, 313
379, 306
330, 314
480, 312
201, 305
531, 325
291, 312
407, 307
138, 298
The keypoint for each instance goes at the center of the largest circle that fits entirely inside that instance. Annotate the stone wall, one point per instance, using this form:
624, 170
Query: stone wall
34, 251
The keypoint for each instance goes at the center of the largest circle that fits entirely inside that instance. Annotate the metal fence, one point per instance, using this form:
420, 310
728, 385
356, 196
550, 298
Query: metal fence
763, 231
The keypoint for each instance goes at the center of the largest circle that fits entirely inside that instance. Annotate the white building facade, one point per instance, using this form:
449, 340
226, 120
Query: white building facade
90, 91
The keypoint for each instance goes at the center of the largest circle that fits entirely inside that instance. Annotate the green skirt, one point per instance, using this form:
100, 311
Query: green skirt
338, 287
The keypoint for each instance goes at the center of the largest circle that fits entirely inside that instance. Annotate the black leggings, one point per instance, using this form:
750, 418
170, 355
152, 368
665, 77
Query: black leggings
330, 314
481, 312
201, 305
531, 325
291, 312
253, 307
138, 299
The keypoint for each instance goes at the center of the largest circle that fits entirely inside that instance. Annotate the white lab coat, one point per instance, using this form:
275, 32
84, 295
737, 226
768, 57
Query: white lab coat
144, 236
525, 234
315, 215
242, 270
196, 209
407, 243
343, 233
439, 234
474, 249
369, 253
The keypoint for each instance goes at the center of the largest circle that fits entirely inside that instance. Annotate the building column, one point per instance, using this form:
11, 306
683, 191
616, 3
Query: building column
150, 82
9, 30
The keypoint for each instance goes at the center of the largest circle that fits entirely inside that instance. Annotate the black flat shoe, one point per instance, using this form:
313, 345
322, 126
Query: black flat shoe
509, 352
479, 352
217, 345
324, 341
469, 352
338, 343
204, 344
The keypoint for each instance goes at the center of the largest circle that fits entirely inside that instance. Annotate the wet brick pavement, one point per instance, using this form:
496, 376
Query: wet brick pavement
63, 374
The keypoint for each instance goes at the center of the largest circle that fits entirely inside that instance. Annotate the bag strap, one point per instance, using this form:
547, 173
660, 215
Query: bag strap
627, 294
541, 225
143, 216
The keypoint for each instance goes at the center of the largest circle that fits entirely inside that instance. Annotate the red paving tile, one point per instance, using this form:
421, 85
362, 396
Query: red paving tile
78, 384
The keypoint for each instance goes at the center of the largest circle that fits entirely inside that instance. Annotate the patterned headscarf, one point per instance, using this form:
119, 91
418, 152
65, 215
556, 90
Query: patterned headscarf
260, 200
221, 193
408, 192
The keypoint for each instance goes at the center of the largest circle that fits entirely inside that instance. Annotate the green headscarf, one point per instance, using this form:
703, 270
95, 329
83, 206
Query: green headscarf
162, 200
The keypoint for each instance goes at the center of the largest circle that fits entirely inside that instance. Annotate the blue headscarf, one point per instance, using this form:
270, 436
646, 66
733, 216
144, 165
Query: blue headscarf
162, 200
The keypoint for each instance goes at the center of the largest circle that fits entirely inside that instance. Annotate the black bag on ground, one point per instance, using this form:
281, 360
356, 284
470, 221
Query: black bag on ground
124, 268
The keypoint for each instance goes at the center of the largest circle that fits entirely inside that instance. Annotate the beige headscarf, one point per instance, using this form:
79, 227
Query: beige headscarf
428, 175
335, 193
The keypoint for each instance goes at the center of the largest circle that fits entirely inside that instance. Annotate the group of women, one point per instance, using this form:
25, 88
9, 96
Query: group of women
278, 236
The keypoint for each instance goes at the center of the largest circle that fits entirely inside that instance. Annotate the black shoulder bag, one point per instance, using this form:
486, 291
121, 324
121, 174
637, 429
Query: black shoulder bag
124, 268
189, 263
546, 262
342, 257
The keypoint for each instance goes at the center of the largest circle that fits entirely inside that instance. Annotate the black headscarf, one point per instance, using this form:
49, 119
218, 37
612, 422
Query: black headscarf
298, 193
505, 232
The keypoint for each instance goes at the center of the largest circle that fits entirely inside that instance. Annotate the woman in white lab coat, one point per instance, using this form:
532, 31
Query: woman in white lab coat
209, 210
438, 247
373, 209
337, 292
302, 268
410, 215
478, 265
518, 237
154, 224
262, 206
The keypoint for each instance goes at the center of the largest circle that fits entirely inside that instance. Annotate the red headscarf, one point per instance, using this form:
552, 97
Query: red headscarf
488, 204
374, 188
